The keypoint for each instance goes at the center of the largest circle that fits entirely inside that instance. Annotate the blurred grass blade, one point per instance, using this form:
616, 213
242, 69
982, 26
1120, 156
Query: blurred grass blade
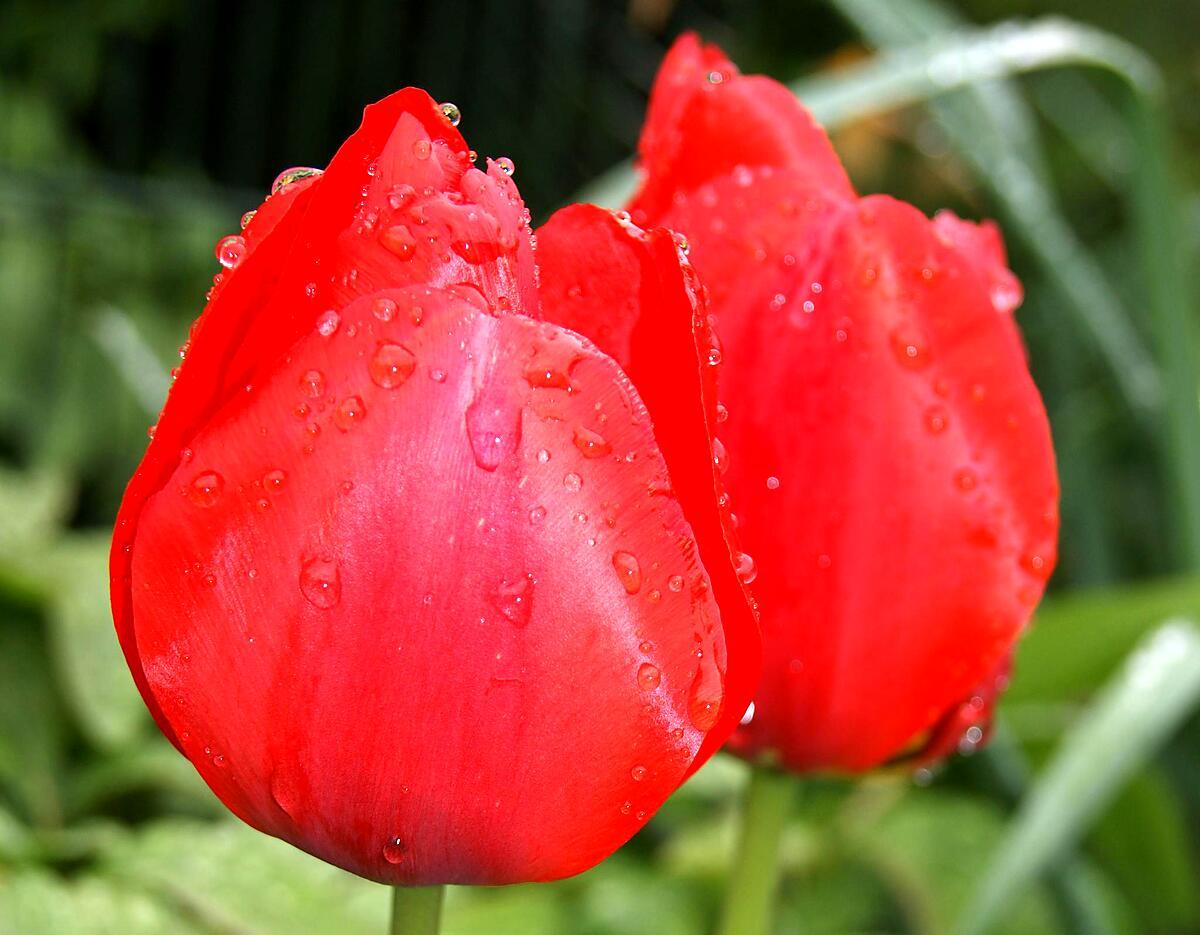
994, 129
1129, 720
132, 357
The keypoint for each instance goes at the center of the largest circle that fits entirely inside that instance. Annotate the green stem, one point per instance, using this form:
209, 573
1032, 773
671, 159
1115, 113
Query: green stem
417, 910
750, 896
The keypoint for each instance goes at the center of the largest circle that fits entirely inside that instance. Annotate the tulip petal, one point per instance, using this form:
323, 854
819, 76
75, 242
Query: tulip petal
884, 411
707, 120
635, 294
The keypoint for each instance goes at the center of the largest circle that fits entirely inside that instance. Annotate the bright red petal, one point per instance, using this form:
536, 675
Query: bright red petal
707, 120
398, 573
893, 469
634, 293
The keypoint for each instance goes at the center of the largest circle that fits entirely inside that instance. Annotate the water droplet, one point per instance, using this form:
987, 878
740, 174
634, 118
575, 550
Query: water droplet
384, 309
247, 218
328, 321
350, 412
320, 583
312, 384
714, 356
451, 113
493, 430
648, 676
745, 567
638, 773
704, 697
936, 419
422, 149
537, 514
231, 250
514, 599
506, 165
1034, 564
910, 348
590, 444
629, 572
543, 456
573, 482
391, 365
722, 414
274, 480
965, 479
205, 490
626, 808
288, 176
399, 241
748, 716
393, 851
772, 482
675, 583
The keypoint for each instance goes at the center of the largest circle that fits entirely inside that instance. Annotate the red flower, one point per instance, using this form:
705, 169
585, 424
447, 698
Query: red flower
412, 574
890, 459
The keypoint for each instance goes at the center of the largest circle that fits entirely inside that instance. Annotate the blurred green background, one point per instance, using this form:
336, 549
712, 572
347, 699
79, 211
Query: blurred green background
134, 133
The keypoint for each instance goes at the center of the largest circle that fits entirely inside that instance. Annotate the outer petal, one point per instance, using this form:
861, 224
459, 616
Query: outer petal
894, 473
635, 294
891, 460
396, 574
707, 120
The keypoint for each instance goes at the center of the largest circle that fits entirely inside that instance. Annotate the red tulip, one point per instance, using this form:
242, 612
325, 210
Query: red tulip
413, 574
890, 459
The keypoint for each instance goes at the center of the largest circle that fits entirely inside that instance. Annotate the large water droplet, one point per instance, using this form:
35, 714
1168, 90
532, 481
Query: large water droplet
745, 567
572, 482
393, 851
391, 365
288, 176
205, 490
704, 697
648, 676
397, 239
591, 444
451, 113
493, 428
231, 250
629, 572
327, 322
320, 583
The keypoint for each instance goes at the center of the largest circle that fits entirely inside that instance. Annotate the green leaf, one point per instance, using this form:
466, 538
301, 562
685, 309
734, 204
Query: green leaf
33, 505
35, 902
1125, 725
234, 878
1143, 842
1078, 640
91, 668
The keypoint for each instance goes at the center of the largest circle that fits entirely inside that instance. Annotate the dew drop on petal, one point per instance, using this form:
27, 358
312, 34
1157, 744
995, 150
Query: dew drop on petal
393, 851
349, 413
205, 490
320, 583
391, 365
288, 176
648, 676
328, 322
231, 250
591, 444
629, 572
572, 482
451, 112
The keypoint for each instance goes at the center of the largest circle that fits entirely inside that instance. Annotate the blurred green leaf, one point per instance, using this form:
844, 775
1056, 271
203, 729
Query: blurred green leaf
32, 507
91, 668
229, 877
1124, 726
1143, 842
1078, 640
32, 732
36, 902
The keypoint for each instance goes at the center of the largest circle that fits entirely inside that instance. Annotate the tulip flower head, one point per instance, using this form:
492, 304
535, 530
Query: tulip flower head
891, 461
416, 576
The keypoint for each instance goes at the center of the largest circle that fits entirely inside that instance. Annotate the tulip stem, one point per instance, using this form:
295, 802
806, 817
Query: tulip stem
417, 910
754, 876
